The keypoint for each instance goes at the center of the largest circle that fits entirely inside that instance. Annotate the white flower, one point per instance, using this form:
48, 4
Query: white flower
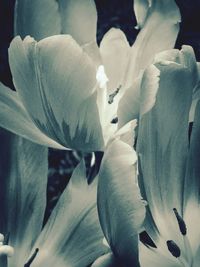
169, 175
67, 95
71, 236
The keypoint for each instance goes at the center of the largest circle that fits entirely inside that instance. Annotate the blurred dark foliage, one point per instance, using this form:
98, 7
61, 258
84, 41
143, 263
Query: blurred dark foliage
111, 13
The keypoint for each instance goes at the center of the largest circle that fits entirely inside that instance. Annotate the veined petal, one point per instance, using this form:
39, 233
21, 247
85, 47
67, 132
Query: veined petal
76, 86
72, 235
23, 177
14, 118
37, 18
163, 146
22, 64
155, 257
79, 19
192, 184
158, 34
62, 112
115, 52
121, 210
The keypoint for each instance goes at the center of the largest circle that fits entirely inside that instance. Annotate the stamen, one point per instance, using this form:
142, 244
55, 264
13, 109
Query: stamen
28, 264
146, 239
115, 120
112, 96
181, 223
173, 248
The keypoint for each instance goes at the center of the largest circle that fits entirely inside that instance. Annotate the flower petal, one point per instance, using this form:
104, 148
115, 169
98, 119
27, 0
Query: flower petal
192, 184
14, 118
163, 146
158, 34
120, 207
37, 18
23, 193
107, 260
129, 104
141, 10
56, 82
115, 49
136, 99
79, 19
72, 235
154, 257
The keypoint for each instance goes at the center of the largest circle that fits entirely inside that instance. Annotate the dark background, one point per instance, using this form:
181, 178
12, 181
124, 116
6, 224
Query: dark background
110, 13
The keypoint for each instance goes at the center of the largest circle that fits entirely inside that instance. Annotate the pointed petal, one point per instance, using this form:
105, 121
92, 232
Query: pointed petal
14, 118
79, 19
56, 82
38, 19
120, 207
115, 49
162, 17
163, 145
141, 10
23, 193
72, 235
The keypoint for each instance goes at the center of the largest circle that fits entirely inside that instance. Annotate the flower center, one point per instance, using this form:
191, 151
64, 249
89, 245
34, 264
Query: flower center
101, 77
186, 260
183, 254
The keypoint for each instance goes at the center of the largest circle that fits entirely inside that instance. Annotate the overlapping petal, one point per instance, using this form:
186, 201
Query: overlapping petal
23, 193
115, 51
107, 260
47, 81
191, 197
72, 235
140, 97
79, 19
14, 117
163, 145
121, 210
155, 18
41, 19
37, 18
158, 33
